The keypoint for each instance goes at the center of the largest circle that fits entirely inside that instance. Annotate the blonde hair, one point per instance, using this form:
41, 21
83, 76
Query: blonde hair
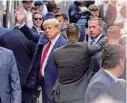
52, 21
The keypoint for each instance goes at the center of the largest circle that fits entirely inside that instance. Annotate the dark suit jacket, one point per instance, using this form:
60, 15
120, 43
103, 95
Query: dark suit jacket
73, 12
95, 61
50, 69
72, 65
110, 15
34, 30
10, 89
103, 83
23, 50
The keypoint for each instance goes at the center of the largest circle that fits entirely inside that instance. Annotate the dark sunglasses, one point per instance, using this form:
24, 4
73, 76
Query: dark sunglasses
37, 18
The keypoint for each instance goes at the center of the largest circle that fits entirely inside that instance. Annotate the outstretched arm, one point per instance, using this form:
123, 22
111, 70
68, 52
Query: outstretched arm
20, 22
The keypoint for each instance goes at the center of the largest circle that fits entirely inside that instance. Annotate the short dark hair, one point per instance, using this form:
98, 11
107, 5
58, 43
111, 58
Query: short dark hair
24, 1
72, 29
111, 55
62, 14
38, 3
51, 5
36, 13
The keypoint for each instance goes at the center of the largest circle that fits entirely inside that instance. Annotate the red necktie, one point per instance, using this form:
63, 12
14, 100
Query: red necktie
43, 57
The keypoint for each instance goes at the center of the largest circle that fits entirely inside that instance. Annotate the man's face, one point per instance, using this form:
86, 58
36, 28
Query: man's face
37, 20
95, 14
94, 28
61, 20
41, 8
27, 5
51, 30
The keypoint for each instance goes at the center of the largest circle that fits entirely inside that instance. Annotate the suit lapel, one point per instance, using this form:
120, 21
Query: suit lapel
57, 44
35, 30
100, 38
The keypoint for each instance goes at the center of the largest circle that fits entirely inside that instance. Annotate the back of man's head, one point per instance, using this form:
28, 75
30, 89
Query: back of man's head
38, 3
114, 34
72, 31
111, 56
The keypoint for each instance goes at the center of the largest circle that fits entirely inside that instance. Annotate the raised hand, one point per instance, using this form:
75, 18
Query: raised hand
20, 15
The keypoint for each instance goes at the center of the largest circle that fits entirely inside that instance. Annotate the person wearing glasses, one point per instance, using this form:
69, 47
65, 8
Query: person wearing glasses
37, 23
43, 70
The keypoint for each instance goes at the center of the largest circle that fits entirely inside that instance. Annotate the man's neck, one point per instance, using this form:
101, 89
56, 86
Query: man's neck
113, 71
72, 39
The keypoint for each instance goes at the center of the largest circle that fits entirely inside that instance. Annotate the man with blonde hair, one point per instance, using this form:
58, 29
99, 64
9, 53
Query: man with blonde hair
43, 67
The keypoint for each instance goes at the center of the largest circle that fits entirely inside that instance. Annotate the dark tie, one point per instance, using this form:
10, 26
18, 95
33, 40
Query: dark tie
43, 57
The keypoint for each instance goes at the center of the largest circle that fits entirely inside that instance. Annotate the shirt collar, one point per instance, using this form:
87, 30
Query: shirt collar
97, 38
113, 76
53, 41
37, 28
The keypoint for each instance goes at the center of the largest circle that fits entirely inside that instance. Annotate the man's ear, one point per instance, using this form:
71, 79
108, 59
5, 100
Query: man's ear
78, 36
101, 28
122, 63
66, 36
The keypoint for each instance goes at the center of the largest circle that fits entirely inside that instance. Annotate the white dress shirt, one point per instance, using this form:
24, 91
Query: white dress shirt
52, 44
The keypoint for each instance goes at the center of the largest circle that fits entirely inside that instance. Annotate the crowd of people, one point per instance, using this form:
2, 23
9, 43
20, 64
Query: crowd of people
74, 55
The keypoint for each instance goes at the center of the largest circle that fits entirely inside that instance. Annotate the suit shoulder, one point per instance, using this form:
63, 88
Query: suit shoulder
99, 79
62, 39
82, 44
59, 49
